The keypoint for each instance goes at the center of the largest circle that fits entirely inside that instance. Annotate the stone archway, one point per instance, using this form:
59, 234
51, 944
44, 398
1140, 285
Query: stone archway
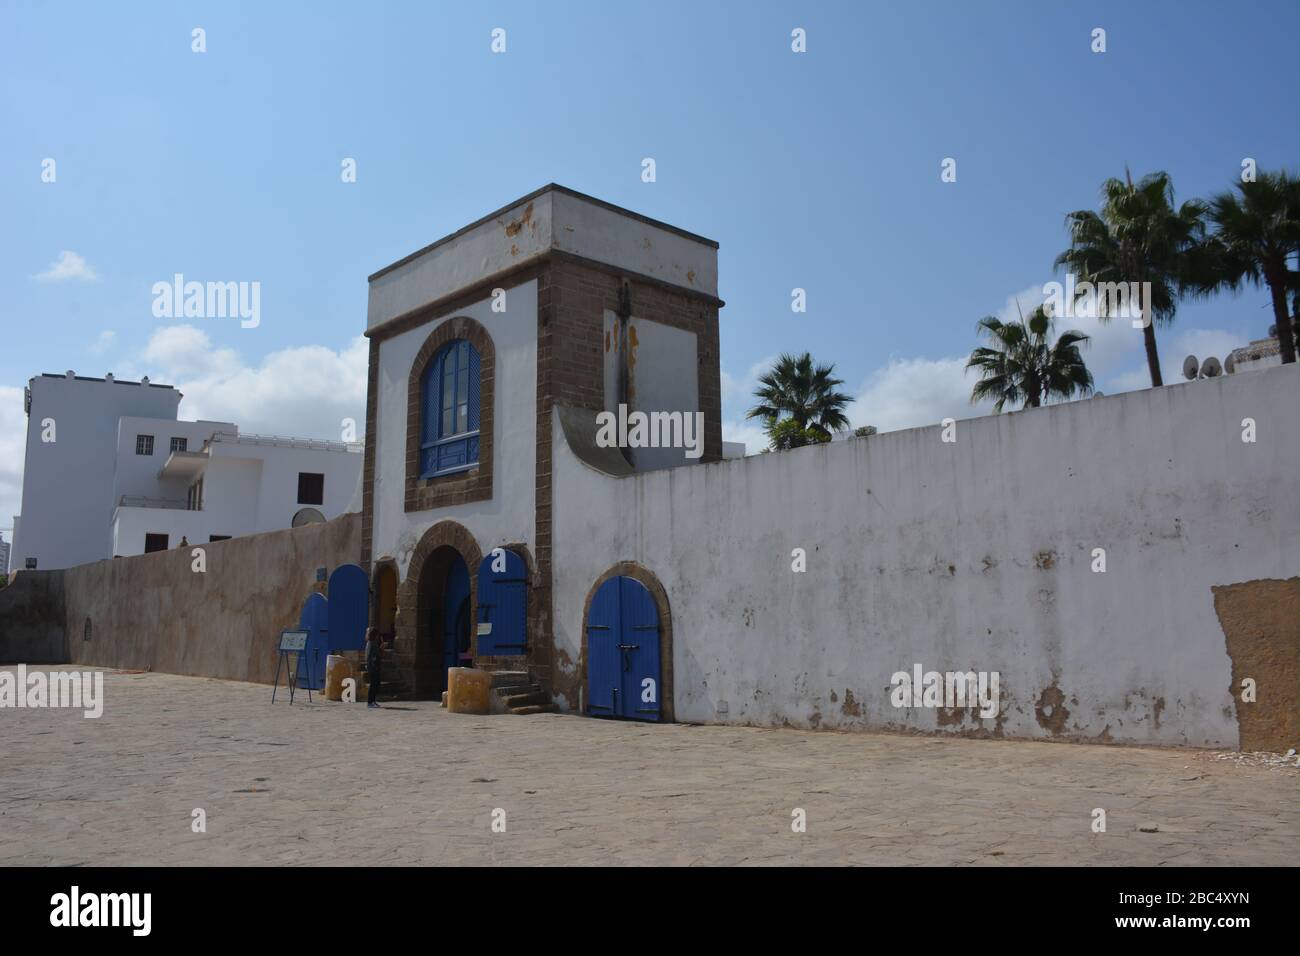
420, 599
647, 577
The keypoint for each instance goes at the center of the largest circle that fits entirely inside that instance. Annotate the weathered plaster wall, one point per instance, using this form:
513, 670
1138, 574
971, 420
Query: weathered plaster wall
152, 611
975, 555
663, 376
31, 619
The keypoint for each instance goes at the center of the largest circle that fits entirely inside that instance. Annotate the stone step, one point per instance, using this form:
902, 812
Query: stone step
510, 679
535, 709
532, 698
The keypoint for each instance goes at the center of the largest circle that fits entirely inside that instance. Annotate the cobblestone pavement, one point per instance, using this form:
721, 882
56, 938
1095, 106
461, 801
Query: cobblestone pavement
412, 784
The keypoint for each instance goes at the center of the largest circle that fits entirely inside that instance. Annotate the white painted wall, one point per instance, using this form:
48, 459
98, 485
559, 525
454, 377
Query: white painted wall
138, 474
925, 552
663, 377
608, 234
509, 515
276, 500
231, 497
68, 484
130, 526
250, 485
526, 229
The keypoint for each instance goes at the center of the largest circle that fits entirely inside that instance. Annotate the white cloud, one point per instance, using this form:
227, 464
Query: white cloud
305, 391
747, 430
1202, 343
104, 342
743, 387
69, 265
908, 393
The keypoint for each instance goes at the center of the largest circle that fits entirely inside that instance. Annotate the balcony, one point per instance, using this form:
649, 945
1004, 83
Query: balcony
140, 501
184, 465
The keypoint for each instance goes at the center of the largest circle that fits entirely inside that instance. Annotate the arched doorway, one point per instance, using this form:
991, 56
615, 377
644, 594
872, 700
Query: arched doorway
435, 608
627, 666
445, 623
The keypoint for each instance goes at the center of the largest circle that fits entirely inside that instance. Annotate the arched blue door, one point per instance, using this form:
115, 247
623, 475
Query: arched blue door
454, 625
314, 619
349, 608
623, 678
502, 605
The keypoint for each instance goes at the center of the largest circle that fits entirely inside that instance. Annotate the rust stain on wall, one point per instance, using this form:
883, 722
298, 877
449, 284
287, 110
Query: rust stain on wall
850, 707
514, 228
1261, 628
632, 344
1051, 711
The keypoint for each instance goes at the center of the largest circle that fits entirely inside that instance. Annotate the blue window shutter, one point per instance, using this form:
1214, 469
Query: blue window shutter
447, 393
473, 389
450, 385
428, 415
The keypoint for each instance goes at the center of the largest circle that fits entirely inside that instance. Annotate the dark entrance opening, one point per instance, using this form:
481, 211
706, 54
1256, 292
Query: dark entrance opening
445, 621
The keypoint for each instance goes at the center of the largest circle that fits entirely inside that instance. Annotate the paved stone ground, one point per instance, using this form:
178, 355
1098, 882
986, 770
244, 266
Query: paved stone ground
412, 784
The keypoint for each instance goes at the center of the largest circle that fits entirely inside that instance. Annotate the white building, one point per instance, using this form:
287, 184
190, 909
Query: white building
110, 470
4, 555
1261, 353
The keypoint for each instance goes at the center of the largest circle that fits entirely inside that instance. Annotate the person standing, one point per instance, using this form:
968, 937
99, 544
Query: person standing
374, 653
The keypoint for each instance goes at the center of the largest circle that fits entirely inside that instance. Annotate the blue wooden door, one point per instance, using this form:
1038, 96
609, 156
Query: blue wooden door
623, 673
314, 619
349, 608
502, 605
455, 617
604, 662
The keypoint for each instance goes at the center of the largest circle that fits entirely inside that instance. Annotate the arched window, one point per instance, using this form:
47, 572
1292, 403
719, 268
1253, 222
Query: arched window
449, 412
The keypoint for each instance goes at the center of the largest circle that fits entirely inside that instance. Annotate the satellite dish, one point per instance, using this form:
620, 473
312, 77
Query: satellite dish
307, 516
1190, 367
1230, 365
1211, 368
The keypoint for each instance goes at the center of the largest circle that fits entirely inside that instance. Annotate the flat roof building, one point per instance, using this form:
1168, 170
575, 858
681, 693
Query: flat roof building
111, 471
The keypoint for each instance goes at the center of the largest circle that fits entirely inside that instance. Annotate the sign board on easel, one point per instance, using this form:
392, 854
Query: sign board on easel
292, 642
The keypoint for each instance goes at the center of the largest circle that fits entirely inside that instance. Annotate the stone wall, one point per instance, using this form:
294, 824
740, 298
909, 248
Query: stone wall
31, 619
155, 612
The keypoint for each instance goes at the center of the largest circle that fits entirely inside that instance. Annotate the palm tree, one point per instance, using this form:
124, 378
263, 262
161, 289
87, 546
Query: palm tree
1256, 230
1138, 236
1022, 366
797, 390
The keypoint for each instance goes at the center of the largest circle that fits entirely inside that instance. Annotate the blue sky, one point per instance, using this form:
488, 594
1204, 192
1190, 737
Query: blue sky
817, 170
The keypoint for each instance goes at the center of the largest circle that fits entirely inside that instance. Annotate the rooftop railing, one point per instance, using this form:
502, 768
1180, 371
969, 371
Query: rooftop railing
278, 441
